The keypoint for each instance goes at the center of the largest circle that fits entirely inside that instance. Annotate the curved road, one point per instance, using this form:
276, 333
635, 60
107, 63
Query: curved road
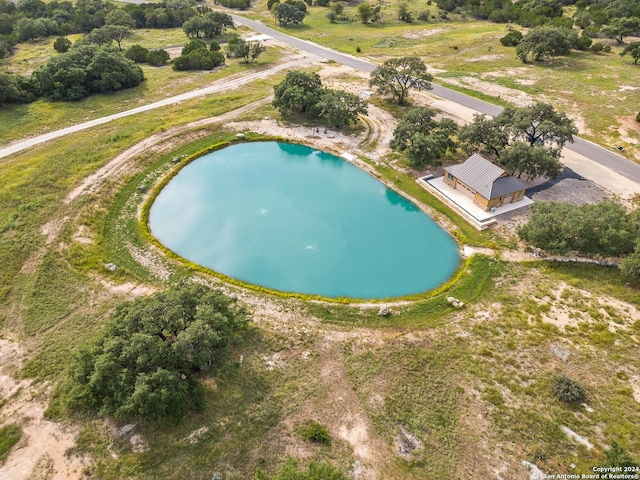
600, 155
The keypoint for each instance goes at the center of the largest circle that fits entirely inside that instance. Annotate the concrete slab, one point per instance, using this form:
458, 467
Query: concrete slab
466, 204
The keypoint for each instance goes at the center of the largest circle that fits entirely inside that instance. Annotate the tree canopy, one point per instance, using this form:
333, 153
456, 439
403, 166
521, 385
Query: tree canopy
87, 69
291, 12
303, 93
297, 92
633, 50
396, 76
525, 140
424, 139
338, 108
207, 26
603, 229
146, 365
17, 89
622, 27
546, 42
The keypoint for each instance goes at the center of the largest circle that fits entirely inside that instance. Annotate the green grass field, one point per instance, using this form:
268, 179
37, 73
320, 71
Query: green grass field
471, 384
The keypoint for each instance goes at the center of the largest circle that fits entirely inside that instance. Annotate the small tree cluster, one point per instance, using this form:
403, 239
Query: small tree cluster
368, 13
197, 56
147, 362
424, 139
567, 390
303, 93
249, 51
87, 69
602, 229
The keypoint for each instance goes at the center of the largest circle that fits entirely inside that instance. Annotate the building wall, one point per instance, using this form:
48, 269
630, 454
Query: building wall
478, 199
487, 204
450, 179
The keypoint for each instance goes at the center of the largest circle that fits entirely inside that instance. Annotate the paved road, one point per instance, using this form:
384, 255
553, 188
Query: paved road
604, 157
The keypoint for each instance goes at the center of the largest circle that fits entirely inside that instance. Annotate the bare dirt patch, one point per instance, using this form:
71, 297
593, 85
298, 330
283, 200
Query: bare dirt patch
518, 98
485, 58
42, 449
422, 33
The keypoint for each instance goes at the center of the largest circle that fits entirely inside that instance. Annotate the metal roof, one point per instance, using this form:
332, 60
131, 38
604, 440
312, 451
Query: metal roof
485, 177
506, 186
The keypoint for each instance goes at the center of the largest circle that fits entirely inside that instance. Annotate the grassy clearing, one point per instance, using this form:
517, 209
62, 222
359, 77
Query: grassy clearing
420, 393
525, 353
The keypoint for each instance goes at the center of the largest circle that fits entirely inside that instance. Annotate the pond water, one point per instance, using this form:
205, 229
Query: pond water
295, 219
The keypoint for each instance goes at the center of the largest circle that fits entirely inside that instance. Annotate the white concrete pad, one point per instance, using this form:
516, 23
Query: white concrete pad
466, 204
258, 38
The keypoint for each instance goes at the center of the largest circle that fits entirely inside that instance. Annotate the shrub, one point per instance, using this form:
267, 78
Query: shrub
424, 15
192, 45
315, 432
618, 457
214, 46
315, 471
201, 59
137, 53
511, 39
567, 389
638, 117
62, 44
157, 58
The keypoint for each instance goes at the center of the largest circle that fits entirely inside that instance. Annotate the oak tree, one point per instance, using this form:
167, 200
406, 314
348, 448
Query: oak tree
397, 76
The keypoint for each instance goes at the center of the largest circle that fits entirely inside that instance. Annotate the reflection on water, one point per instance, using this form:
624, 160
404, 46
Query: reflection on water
295, 219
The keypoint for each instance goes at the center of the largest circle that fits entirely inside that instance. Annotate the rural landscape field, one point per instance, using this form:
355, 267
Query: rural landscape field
121, 359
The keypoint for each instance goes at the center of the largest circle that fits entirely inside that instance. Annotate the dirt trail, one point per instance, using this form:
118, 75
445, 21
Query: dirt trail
349, 418
121, 164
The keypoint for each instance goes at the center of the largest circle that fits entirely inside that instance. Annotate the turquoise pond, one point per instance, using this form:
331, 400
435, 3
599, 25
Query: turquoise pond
295, 219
